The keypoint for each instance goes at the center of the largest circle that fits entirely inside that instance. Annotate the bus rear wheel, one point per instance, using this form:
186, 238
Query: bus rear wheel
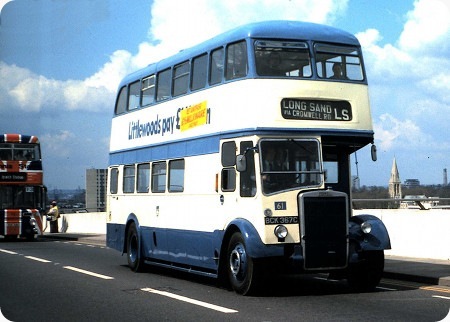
241, 269
134, 256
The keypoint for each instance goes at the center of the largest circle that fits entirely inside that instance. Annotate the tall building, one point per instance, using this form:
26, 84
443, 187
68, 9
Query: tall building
395, 185
96, 183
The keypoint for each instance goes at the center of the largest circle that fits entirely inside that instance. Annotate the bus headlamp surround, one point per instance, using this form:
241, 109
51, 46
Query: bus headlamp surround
366, 227
280, 231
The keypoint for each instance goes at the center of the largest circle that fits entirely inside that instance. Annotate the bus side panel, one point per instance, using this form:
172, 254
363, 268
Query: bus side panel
154, 243
193, 248
115, 234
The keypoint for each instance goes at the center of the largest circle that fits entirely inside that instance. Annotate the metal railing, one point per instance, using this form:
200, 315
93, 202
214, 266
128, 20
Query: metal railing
420, 203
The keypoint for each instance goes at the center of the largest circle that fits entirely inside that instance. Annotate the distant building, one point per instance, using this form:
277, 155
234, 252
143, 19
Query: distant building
96, 183
395, 185
411, 183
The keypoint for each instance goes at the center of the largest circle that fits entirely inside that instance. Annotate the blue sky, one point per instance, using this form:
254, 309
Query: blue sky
61, 62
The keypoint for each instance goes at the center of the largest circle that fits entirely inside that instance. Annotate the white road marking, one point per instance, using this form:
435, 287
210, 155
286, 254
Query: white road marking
442, 297
7, 251
189, 300
79, 270
38, 259
386, 288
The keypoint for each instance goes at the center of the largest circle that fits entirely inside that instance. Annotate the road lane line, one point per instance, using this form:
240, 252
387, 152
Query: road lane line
386, 288
435, 289
442, 297
7, 251
38, 259
189, 300
79, 270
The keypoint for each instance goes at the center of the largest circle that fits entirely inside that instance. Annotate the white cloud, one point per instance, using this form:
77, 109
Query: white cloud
411, 80
428, 23
168, 34
32, 92
171, 33
59, 144
391, 132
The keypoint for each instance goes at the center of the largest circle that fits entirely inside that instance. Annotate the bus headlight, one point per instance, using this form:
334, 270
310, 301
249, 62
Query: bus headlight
268, 212
280, 231
366, 227
33, 222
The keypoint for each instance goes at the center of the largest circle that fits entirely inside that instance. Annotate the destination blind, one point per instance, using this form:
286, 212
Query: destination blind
299, 109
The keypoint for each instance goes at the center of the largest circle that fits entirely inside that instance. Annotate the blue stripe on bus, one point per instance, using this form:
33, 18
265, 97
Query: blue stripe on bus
211, 144
190, 248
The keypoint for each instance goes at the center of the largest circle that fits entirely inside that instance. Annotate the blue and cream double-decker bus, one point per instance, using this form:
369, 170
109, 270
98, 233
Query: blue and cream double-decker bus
232, 158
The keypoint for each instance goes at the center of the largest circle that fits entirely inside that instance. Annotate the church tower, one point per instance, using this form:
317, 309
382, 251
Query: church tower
395, 185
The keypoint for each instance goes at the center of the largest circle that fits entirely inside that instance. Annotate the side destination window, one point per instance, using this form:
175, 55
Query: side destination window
159, 176
143, 177
121, 104
128, 178
113, 180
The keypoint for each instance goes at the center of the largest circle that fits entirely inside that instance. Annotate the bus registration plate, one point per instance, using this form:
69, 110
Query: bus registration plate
283, 220
298, 109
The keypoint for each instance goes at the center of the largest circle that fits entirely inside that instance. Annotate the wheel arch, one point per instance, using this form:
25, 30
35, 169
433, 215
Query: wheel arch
377, 239
254, 246
130, 220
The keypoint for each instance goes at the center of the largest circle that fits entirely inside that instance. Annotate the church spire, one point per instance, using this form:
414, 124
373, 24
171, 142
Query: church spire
395, 186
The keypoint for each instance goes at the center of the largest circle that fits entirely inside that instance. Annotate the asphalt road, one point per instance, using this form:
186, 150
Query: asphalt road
50, 280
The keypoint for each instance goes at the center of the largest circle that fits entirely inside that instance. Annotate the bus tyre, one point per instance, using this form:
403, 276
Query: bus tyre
240, 266
134, 257
366, 275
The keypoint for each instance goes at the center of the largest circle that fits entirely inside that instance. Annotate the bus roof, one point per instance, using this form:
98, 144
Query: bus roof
18, 138
277, 29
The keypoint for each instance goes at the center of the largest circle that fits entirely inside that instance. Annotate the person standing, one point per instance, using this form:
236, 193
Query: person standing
53, 215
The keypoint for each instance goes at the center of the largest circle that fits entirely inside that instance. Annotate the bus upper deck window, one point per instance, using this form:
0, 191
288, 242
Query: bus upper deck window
163, 85
216, 66
121, 104
180, 79
283, 59
199, 68
5, 151
133, 95
338, 62
148, 90
236, 60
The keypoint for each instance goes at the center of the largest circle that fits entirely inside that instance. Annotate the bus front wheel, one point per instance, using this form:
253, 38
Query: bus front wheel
240, 266
134, 257
365, 276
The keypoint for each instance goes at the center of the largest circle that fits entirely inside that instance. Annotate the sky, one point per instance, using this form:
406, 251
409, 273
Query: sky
61, 62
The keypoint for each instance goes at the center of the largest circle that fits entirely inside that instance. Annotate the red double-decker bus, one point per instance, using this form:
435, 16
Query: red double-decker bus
22, 192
